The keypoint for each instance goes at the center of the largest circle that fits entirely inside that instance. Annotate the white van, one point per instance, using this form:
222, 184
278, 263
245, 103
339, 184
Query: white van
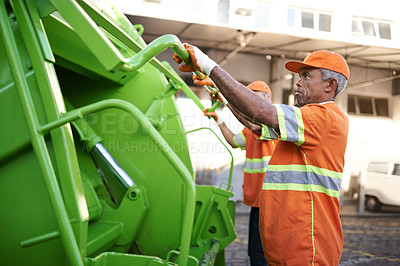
382, 185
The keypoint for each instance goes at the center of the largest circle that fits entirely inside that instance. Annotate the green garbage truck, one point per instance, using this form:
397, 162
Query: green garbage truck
94, 163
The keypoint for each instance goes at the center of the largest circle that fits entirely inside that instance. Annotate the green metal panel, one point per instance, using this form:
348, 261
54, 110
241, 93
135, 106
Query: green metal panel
116, 186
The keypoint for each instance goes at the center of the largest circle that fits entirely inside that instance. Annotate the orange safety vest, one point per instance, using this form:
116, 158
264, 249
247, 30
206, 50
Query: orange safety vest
299, 213
258, 154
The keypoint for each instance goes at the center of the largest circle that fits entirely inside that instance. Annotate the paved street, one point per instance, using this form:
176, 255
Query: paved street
369, 240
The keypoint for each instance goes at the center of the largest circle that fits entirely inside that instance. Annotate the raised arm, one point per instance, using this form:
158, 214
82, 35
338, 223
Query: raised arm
245, 100
228, 134
238, 95
245, 120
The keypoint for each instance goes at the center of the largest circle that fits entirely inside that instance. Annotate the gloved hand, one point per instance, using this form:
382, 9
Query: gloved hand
218, 97
203, 82
218, 117
208, 82
200, 61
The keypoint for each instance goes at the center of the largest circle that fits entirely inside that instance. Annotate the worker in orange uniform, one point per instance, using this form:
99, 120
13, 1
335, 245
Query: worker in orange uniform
299, 211
258, 154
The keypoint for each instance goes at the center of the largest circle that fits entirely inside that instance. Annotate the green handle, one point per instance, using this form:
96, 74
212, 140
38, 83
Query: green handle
215, 106
153, 49
156, 47
139, 28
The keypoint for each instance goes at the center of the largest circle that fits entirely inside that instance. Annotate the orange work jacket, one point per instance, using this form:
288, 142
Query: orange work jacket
299, 213
258, 154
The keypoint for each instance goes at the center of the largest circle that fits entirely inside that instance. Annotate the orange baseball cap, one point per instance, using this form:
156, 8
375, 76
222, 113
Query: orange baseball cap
259, 86
321, 59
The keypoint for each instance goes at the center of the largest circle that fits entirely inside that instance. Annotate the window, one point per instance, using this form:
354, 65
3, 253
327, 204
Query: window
324, 22
307, 20
290, 17
355, 29
310, 19
378, 167
364, 105
396, 169
351, 105
381, 107
371, 27
243, 14
223, 11
368, 28
384, 31
261, 16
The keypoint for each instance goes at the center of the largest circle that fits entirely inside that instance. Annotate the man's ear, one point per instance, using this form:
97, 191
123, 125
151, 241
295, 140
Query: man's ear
332, 85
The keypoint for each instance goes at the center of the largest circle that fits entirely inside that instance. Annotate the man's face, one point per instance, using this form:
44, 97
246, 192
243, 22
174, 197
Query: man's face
310, 87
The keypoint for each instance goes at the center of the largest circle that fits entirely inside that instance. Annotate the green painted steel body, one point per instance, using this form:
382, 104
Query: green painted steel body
94, 162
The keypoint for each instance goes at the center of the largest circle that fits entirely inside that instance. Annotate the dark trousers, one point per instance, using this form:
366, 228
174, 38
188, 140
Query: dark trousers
255, 249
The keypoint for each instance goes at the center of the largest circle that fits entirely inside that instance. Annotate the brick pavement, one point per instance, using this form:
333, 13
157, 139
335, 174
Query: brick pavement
370, 239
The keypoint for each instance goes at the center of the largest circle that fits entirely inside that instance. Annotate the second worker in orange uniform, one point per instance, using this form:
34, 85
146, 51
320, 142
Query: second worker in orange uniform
258, 154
